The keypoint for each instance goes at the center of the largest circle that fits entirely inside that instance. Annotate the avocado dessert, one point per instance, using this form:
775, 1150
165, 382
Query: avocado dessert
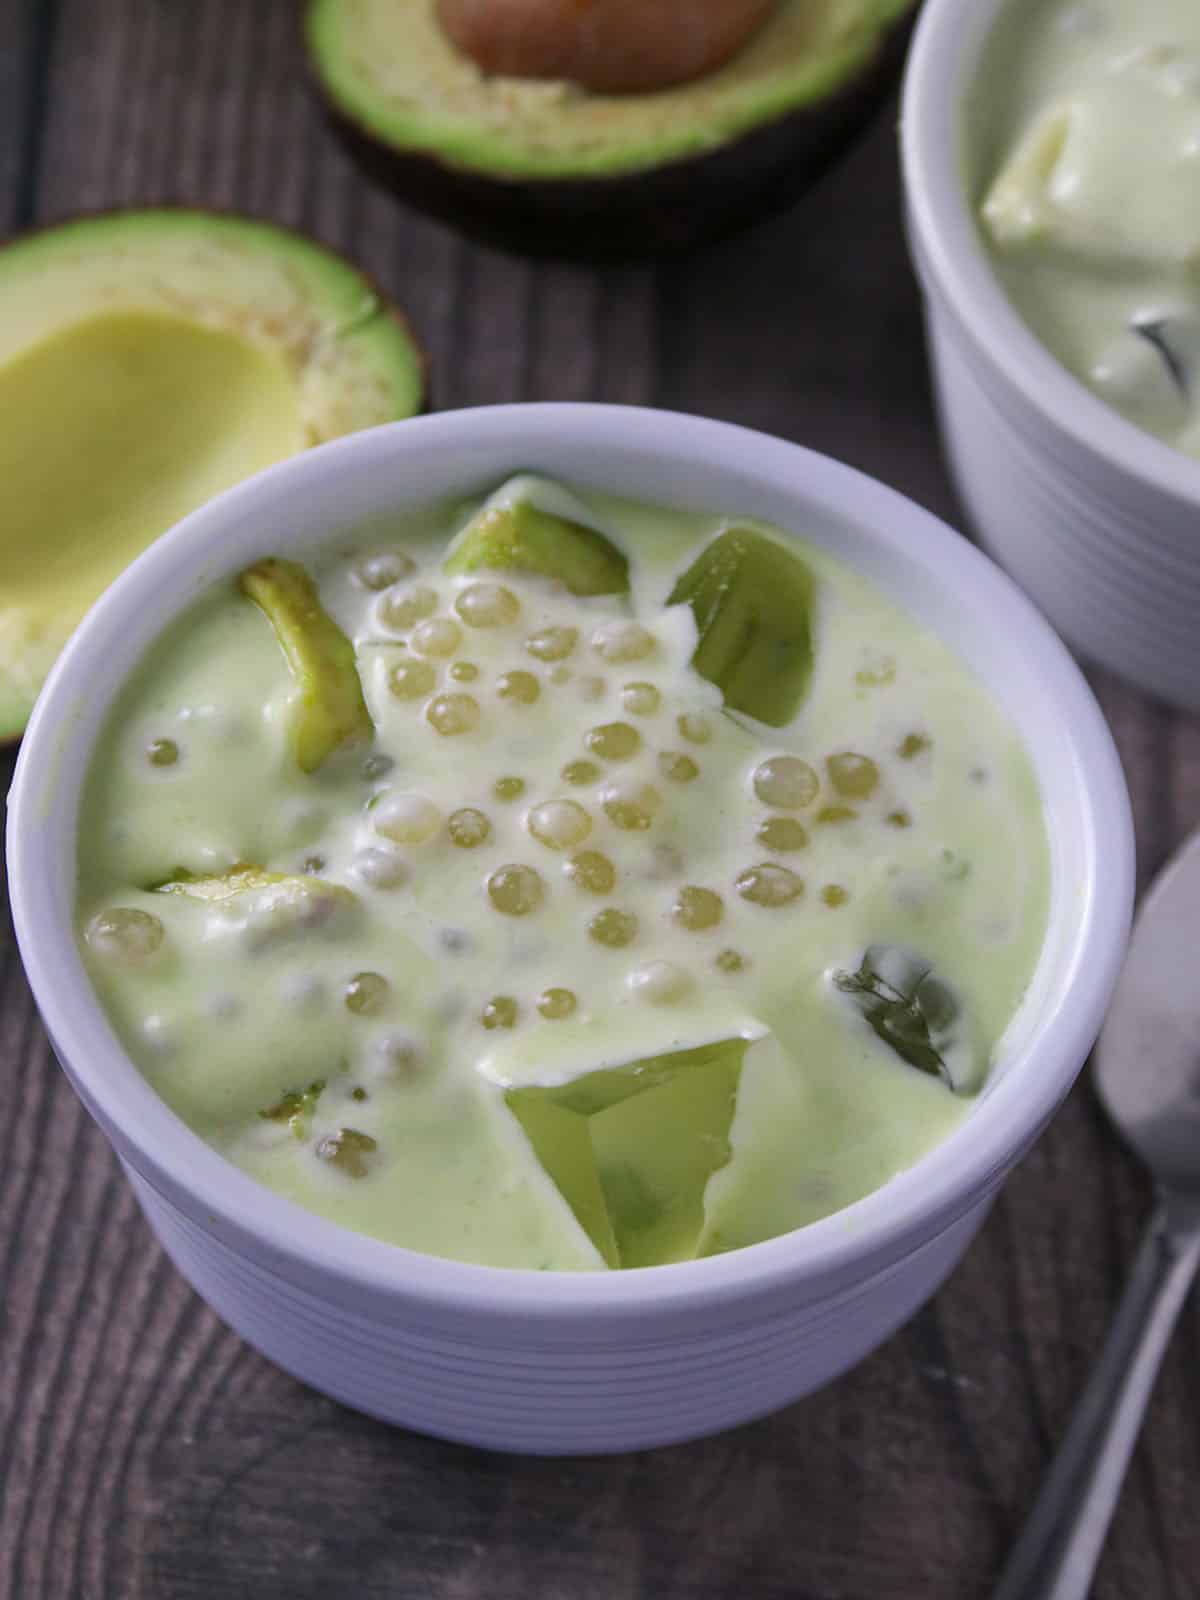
566, 134
148, 360
681, 897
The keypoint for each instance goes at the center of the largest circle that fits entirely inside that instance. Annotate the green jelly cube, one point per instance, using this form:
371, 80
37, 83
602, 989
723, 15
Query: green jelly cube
752, 601
631, 1148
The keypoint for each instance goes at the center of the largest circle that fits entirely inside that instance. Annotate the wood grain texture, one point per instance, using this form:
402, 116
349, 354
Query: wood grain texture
145, 1452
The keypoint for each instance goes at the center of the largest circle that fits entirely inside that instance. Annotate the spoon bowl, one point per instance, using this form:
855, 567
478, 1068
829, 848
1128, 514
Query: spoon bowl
1147, 1064
1147, 1072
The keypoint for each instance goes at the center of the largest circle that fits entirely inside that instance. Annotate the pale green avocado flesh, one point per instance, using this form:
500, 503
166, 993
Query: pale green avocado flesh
388, 68
149, 360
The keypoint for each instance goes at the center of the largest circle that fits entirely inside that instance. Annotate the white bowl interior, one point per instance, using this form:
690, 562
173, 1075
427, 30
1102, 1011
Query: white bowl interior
680, 461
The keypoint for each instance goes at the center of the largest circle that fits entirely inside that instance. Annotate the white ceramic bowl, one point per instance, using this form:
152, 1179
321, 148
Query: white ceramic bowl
576, 1362
1098, 520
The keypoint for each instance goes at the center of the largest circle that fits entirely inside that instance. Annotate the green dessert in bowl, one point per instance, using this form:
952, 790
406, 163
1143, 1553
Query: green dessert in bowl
687, 868
559, 880
1086, 135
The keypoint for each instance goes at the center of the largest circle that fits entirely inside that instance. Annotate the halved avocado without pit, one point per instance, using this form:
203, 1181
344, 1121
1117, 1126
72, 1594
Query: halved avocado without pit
547, 165
149, 360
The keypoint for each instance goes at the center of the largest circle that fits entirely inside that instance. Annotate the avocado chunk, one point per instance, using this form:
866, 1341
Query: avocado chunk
220, 886
912, 1011
329, 710
532, 163
631, 1148
752, 601
512, 534
267, 907
149, 360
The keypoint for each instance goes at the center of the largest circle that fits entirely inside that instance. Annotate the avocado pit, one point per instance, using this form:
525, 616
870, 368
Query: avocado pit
604, 46
601, 129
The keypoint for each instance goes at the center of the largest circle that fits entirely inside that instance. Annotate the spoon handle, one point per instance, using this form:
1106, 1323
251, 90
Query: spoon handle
1056, 1554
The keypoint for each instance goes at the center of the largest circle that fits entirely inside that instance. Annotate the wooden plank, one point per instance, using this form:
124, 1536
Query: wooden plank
146, 1451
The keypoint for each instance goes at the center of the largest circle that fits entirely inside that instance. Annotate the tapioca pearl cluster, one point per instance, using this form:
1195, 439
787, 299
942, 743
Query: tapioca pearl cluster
553, 1004
631, 805
785, 783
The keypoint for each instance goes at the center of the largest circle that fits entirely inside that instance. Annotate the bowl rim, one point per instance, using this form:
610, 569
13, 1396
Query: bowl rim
949, 43
942, 1185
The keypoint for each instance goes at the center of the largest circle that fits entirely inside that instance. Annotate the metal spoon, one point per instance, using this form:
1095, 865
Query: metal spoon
1147, 1069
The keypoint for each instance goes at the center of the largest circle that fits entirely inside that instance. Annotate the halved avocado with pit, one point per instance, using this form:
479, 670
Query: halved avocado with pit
148, 360
544, 165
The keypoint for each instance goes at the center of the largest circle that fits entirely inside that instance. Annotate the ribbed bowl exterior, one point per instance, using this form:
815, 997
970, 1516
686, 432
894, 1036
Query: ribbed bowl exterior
551, 1391
1117, 573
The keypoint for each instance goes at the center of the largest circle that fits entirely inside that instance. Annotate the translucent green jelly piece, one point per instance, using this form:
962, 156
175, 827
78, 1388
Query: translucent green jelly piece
631, 1148
752, 600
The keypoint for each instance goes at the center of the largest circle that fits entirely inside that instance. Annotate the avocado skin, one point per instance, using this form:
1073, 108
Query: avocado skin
662, 210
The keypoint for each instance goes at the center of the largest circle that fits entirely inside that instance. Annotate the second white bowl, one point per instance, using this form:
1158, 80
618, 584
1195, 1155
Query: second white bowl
1097, 520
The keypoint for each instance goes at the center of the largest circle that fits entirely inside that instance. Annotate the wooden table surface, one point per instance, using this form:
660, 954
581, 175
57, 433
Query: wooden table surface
145, 1452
